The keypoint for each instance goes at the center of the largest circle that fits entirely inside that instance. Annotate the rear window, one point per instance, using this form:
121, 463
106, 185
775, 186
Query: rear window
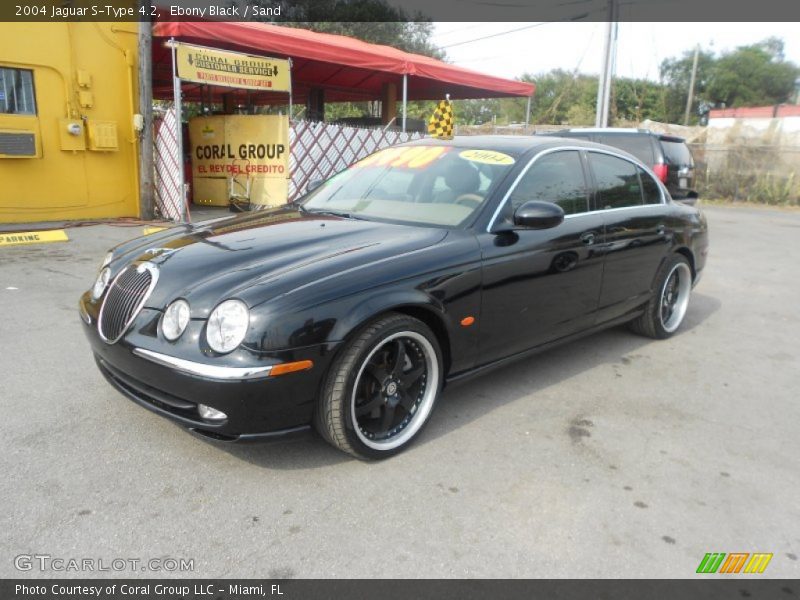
638, 145
676, 153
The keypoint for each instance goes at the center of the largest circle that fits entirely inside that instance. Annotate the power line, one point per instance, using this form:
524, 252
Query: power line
573, 18
459, 30
486, 37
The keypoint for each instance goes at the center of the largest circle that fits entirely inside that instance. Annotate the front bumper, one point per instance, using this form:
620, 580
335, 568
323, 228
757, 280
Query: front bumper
256, 404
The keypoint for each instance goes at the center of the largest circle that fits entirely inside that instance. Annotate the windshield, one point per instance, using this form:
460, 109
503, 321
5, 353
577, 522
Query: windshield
427, 185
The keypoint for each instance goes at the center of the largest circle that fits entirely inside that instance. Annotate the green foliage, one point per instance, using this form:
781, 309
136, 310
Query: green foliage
567, 98
676, 74
756, 75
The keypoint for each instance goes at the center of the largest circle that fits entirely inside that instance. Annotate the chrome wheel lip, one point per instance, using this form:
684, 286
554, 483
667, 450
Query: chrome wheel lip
681, 303
425, 404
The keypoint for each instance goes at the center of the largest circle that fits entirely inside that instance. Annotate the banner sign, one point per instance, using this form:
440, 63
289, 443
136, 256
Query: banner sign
248, 154
232, 69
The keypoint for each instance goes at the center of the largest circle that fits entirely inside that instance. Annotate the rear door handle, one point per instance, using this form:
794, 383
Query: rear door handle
661, 229
588, 238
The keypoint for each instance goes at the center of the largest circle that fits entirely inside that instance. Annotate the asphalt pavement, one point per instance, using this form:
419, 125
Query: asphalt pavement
614, 456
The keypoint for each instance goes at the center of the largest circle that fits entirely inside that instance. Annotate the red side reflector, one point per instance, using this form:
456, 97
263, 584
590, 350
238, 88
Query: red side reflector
467, 321
291, 367
661, 172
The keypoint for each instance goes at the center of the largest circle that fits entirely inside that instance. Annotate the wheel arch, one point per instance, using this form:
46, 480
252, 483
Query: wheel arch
436, 324
689, 256
424, 310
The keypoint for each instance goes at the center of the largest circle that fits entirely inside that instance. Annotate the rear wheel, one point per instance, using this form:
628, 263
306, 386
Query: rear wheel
667, 308
381, 390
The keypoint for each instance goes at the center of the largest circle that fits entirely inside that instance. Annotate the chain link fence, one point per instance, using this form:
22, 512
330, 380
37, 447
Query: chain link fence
760, 173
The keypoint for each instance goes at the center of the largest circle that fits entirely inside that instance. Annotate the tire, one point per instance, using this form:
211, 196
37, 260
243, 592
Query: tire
665, 311
373, 405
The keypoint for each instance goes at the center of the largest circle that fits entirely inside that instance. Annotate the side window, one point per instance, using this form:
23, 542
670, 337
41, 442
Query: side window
557, 178
16, 92
617, 181
650, 189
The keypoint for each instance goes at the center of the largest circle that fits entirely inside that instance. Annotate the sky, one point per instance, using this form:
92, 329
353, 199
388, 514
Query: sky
641, 46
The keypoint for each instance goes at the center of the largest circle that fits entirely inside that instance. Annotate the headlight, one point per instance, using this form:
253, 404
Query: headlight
175, 319
227, 326
100, 284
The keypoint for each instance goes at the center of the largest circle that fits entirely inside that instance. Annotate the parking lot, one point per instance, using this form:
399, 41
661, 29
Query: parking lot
615, 456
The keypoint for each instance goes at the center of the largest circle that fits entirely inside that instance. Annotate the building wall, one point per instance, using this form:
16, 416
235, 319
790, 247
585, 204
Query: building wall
86, 148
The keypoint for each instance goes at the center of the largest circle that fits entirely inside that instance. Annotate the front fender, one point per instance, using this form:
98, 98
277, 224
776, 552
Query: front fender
444, 282
370, 306
442, 302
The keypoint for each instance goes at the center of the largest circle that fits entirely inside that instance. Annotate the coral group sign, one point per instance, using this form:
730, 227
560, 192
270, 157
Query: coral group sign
232, 69
243, 154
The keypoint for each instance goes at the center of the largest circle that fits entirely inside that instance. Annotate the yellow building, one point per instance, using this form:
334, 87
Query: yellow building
68, 141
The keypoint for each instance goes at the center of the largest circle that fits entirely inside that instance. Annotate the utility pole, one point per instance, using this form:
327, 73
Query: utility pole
609, 55
690, 97
146, 169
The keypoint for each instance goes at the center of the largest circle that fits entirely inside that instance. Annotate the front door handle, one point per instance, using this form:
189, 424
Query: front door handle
661, 229
588, 238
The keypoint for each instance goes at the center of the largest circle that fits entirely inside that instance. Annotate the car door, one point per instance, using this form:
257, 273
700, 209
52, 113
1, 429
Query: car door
540, 285
636, 238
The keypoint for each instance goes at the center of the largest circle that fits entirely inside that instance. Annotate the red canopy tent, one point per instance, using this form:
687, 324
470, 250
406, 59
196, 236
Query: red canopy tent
346, 69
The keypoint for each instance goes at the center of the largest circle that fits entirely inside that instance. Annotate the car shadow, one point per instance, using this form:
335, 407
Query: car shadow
462, 404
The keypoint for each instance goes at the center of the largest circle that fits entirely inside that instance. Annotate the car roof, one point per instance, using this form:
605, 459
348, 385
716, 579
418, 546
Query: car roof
612, 131
515, 145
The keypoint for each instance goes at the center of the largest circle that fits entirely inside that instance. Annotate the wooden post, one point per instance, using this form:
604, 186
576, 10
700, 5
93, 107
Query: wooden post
316, 104
145, 76
388, 103
690, 97
405, 101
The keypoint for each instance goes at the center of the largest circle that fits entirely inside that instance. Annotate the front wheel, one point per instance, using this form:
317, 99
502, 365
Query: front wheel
667, 308
381, 390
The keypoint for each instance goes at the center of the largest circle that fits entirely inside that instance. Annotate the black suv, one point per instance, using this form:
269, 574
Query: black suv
667, 155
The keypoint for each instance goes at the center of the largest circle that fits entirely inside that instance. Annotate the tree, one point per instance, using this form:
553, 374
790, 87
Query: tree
676, 74
756, 75
636, 100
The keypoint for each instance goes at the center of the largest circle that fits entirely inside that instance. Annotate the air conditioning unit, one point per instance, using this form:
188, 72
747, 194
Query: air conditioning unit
18, 144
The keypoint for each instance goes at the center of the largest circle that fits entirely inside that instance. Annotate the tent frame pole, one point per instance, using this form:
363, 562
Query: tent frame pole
290, 90
405, 100
528, 112
176, 99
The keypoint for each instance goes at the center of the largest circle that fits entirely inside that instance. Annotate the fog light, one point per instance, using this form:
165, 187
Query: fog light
212, 414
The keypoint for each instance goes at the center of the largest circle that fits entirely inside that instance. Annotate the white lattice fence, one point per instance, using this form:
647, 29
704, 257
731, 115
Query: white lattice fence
321, 149
318, 151
167, 182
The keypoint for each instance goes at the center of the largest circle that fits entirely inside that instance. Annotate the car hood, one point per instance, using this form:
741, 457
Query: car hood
262, 255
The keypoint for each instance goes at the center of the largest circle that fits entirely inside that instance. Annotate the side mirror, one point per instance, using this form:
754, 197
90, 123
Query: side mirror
538, 215
314, 184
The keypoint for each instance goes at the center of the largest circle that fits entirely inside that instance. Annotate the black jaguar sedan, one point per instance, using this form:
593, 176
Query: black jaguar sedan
350, 309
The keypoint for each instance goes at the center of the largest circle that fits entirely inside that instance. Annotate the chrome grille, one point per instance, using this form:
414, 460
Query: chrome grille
125, 299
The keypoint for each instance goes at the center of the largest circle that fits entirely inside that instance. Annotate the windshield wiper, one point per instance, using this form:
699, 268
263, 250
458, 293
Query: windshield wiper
333, 213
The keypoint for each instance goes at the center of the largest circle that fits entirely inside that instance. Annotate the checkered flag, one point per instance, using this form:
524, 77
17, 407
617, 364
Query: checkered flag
442, 120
